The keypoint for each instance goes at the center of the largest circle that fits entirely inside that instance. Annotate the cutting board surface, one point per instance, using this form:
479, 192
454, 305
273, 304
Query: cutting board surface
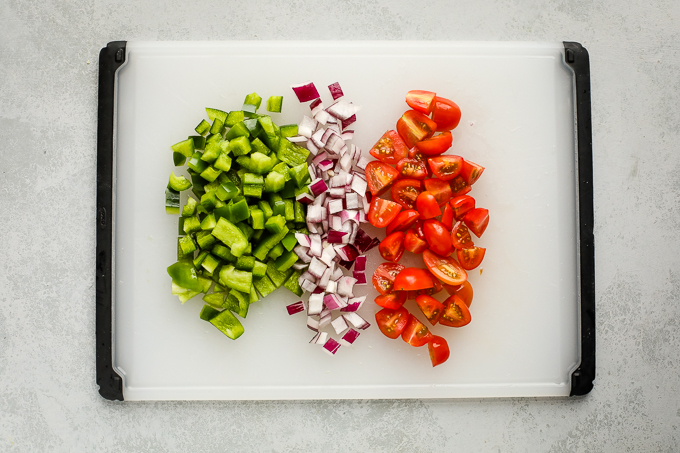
517, 121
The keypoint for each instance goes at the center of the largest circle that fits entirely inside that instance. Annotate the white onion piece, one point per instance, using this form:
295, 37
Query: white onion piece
320, 199
331, 346
359, 185
339, 325
331, 287
325, 320
362, 163
297, 307
337, 192
317, 268
337, 274
356, 320
343, 109
303, 239
315, 304
328, 255
301, 252
306, 275
322, 117
299, 265
314, 213
349, 337
346, 285
315, 248
335, 206
311, 226
313, 324
307, 126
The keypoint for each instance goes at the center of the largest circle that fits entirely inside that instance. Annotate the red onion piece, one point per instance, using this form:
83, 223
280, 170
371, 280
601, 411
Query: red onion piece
347, 252
356, 320
351, 120
346, 285
321, 157
343, 110
307, 126
346, 264
331, 346
317, 187
312, 147
360, 276
305, 198
339, 325
315, 304
324, 320
297, 307
317, 268
334, 206
335, 90
320, 338
316, 104
328, 255
360, 263
305, 91
349, 337
359, 185
322, 117
337, 275
303, 239
312, 324
325, 165
354, 304
335, 237
307, 285
331, 301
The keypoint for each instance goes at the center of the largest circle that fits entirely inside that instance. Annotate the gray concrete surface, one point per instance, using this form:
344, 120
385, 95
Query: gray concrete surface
48, 87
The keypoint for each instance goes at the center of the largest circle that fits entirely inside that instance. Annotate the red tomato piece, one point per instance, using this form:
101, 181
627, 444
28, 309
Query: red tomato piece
379, 177
392, 247
392, 322
437, 236
463, 291
416, 333
403, 221
405, 192
446, 114
440, 189
414, 126
413, 243
470, 258
477, 220
412, 278
447, 217
392, 301
412, 295
422, 101
431, 308
414, 153
418, 227
456, 313
462, 205
444, 268
471, 172
427, 205
439, 350
445, 167
384, 275
459, 186
390, 148
381, 212
436, 145
460, 236
413, 168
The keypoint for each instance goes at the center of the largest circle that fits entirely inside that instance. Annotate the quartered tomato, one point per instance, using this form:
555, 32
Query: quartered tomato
463, 291
384, 275
392, 322
437, 286
392, 247
461, 206
440, 189
471, 172
444, 268
392, 301
403, 221
437, 236
390, 148
414, 153
439, 350
413, 168
456, 313
413, 244
477, 220
445, 167
427, 205
379, 177
446, 114
412, 278
447, 217
414, 126
436, 145
460, 236
431, 308
381, 212
422, 101
416, 333
459, 186
405, 192
470, 258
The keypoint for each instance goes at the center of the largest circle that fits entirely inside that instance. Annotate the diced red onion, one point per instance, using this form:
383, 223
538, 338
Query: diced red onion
337, 274
339, 325
349, 337
322, 116
337, 192
349, 214
331, 346
315, 248
301, 252
297, 139
317, 138
320, 157
334, 128
362, 216
347, 252
312, 324
356, 320
305, 91
314, 213
315, 304
355, 230
335, 237
336, 224
359, 185
354, 304
316, 104
332, 286
360, 263
346, 162
312, 147
349, 121
362, 163
362, 241
334, 206
346, 285
330, 121
325, 320
317, 268
347, 135
331, 301
308, 286
338, 181
303, 239
343, 110
317, 187
306, 275
299, 265
312, 172
320, 338
346, 264
328, 255
335, 90
320, 199
297, 307
325, 278
307, 126
325, 165
311, 226
305, 198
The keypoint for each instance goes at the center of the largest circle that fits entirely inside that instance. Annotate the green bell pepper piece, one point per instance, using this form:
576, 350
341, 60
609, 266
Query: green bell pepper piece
289, 242
203, 128
235, 279
216, 113
277, 277
208, 312
185, 275
231, 235
274, 104
293, 283
276, 251
228, 324
285, 261
185, 147
171, 201
264, 286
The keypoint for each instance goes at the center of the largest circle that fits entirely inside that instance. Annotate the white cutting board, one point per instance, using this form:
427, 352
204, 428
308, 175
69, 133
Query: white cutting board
517, 121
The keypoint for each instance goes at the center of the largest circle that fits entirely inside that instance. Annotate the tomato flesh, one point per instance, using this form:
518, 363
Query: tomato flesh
440, 189
427, 205
412, 278
471, 172
445, 167
477, 220
405, 192
460, 236
437, 286
422, 101
439, 350
447, 217
456, 313
436, 145
413, 168
381, 212
463, 291
414, 126
462, 205
416, 333
413, 244
392, 322
414, 153
390, 149
437, 236
459, 186
403, 221
445, 113
431, 308
392, 301
444, 268
470, 258
379, 177
392, 247
384, 275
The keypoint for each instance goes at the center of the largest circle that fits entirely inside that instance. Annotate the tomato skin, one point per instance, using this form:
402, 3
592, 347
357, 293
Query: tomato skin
392, 322
460, 236
470, 258
456, 313
431, 308
445, 167
418, 227
413, 168
471, 172
416, 333
477, 220
413, 244
392, 247
459, 186
440, 189
379, 177
445, 113
390, 148
403, 221
412, 278
405, 192
463, 291
414, 126
422, 101
462, 205
384, 275
438, 237
412, 295
381, 212
439, 350
444, 268
414, 153
447, 217
427, 205
436, 145
392, 301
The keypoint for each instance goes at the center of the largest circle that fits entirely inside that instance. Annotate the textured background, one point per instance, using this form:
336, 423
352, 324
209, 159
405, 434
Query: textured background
48, 75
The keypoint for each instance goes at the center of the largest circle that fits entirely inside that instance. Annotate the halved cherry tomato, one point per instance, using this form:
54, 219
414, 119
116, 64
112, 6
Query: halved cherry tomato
414, 153
379, 177
390, 148
416, 333
413, 244
403, 221
459, 186
456, 313
392, 301
392, 322
427, 205
463, 291
447, 217
436, 145
431, 308
444, 268
439, 350
461, 205
413, 127
412, 278
440, 189
418, 226
422, 101
471, 172
392, 247
477, 220
381, 212
413, 168
470, 258
405, 192
446, 114
437, 237
445, 167
411, 295
384, 275
460, 236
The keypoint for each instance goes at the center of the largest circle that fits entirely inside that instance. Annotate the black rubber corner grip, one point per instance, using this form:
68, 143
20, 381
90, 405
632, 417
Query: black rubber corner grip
110, 383
576, 57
